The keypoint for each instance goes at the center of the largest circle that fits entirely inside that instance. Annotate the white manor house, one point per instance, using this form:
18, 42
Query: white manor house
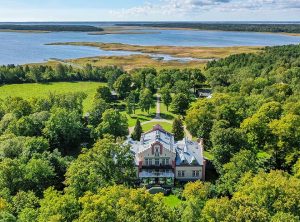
160, 160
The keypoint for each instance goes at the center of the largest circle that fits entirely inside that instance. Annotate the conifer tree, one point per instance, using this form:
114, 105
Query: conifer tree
178, 129
137, 132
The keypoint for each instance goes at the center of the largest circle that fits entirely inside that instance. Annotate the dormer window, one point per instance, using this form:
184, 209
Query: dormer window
156, 150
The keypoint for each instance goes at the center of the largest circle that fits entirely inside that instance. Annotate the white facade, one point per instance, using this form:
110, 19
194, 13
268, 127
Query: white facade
162, 160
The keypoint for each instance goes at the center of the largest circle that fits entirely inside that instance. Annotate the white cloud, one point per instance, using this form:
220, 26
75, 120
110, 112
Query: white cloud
193, 8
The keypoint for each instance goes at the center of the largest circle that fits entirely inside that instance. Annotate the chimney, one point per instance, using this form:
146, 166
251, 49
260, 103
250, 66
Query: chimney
201, 143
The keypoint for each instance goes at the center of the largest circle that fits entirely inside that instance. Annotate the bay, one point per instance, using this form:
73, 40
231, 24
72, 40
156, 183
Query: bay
22, 48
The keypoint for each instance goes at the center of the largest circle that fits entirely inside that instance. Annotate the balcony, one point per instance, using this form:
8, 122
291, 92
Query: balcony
145, 174
156, 167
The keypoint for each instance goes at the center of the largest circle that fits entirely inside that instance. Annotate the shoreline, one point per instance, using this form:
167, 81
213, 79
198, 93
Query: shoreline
24, 31
122, 33
131, 30
207, 30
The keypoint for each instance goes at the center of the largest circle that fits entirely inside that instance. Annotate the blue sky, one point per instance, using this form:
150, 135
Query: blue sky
149, 10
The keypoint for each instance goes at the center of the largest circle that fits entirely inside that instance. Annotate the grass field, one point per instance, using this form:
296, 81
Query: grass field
41, 90
172, 200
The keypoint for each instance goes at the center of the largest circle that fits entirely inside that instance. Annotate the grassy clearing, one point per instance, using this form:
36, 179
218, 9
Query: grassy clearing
41, 90
178, 51
172, 201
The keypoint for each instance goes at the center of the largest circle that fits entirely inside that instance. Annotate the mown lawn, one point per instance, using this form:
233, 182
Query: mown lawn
172, 200
144, 116
149, 126
29, 90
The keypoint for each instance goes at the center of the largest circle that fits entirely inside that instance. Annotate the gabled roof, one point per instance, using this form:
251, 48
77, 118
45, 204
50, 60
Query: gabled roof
187, 152
158, 134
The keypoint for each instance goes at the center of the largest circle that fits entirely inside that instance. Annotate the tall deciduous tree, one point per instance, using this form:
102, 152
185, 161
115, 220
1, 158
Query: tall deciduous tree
225, 142
131, 101
113, 123
105, 164
60, 72
56, 206
239, 164
122, 85
196, 195
128, 204
166, 97
63, 129
180, 103
296, 169
146, 100
103, 92
150, 82
98, 108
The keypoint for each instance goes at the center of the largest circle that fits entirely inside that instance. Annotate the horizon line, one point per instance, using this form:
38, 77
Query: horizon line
149, 21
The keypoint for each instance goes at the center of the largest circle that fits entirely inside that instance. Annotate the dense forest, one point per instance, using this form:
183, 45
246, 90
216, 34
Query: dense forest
58, 164
12, 74
288, 28
52, 28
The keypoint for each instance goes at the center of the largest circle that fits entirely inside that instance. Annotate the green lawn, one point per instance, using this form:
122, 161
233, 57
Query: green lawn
149, 126
172, 200
166, 114
28, 90
142, 116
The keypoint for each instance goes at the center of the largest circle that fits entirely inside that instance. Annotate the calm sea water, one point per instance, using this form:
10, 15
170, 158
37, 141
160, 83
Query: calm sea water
21, 48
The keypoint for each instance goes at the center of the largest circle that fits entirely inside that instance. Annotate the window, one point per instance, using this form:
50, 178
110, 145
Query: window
157, 150
167, 161
196, 173
181, 173
156, 162
148, 162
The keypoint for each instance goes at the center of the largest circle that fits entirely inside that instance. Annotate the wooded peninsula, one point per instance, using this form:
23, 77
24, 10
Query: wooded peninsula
52, 28
276, 28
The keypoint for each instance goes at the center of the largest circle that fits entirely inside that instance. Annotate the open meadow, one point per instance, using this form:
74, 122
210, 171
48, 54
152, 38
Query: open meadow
30, 90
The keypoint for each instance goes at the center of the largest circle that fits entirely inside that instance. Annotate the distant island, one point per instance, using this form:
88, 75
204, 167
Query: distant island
240, 27
51, 28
